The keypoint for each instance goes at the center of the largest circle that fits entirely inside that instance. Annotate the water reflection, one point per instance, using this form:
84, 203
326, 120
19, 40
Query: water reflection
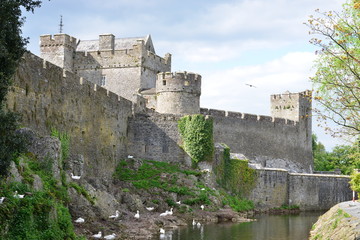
267, 227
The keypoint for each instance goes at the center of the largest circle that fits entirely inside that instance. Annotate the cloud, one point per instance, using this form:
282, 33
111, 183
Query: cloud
228, 89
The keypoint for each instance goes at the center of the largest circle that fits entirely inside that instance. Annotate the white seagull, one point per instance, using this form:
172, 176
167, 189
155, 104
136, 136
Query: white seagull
109, 237
98, 235
75, 177
137, 215
129, 156
115, 216
193, 222
202, 207
179, 202
162, 231
2, 200
150, 208
80, 220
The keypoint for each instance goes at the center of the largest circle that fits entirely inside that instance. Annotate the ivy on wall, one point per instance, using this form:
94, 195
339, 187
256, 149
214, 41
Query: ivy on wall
197, 134
235, 174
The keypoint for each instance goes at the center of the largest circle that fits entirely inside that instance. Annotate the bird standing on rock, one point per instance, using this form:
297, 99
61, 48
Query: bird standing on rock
137, 215
202, 207
75, 177
150, 208
98, 235
110, 237
80, 220
115, 216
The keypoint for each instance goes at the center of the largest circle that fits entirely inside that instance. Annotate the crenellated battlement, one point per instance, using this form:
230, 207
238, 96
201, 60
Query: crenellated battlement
185, 82
294, 106
178, 92
57, 40
246, 116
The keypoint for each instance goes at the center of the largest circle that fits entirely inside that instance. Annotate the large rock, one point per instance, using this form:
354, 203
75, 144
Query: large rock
46, 150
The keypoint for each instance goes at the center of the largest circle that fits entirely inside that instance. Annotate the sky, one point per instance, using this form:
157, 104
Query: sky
230, 43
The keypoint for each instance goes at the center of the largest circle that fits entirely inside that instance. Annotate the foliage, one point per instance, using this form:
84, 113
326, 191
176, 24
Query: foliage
343, 157
337, 77
65, 142
238, 204
36, 216
235, 175
355, 181
12, 47
81, 190
197, 135
154, 175
11, 143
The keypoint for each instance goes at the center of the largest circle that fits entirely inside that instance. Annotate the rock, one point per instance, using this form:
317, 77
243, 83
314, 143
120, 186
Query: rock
47, 150
38, 184
14, 174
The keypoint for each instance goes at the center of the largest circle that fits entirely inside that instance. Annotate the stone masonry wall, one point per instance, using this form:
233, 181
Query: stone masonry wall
318, 192
155, 136
96, 119
263, 138
276, 187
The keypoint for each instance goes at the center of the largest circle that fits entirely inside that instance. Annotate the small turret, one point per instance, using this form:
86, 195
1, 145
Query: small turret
293, 106
178, 93
58, 50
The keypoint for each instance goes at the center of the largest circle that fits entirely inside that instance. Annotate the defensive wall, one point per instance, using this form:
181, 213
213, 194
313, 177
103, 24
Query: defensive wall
265, 139
277, 187
96, 119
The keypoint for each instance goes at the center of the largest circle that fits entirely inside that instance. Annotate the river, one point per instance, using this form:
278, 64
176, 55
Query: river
266, 227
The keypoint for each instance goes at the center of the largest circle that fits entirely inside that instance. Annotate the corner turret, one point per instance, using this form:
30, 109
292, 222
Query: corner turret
58, 50
178, 93
293, 106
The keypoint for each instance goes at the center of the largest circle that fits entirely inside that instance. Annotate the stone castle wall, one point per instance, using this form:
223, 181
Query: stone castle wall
96, 119
155, 136
277, 187
267, 140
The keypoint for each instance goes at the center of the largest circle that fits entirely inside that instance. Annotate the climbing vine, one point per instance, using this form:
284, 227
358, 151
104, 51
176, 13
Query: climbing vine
235, 174
197, 135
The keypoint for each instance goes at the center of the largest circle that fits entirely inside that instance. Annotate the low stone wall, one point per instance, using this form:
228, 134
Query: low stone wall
277, 187
318, 192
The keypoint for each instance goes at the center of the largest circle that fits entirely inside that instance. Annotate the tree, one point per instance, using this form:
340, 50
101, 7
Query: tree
12, 47
343, 157
337, 78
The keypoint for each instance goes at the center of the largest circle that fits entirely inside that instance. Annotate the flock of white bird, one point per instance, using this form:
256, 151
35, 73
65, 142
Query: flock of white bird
117, 214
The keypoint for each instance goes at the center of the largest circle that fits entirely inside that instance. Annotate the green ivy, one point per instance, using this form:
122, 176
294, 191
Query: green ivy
197, 135
235, 174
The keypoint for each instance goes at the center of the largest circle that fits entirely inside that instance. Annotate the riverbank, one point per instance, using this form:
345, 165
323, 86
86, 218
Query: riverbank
341, 222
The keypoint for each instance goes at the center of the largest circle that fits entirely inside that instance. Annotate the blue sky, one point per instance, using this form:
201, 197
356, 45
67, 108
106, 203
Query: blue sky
228, 42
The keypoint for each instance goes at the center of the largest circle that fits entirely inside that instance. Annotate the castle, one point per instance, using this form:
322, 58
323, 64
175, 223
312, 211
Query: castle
117, 97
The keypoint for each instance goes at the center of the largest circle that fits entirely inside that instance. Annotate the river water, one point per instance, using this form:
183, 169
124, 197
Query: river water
266, 227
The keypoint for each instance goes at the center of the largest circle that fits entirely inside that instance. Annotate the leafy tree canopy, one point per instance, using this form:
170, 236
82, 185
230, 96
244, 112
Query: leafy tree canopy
337, 78
343, 157
12, 47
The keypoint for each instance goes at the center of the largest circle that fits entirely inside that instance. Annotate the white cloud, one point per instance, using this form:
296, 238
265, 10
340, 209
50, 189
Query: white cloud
227, 89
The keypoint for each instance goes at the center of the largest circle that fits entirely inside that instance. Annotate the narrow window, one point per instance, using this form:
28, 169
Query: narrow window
103, 80
164, 82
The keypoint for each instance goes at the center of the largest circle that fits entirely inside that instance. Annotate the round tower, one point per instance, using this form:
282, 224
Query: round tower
178, 93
